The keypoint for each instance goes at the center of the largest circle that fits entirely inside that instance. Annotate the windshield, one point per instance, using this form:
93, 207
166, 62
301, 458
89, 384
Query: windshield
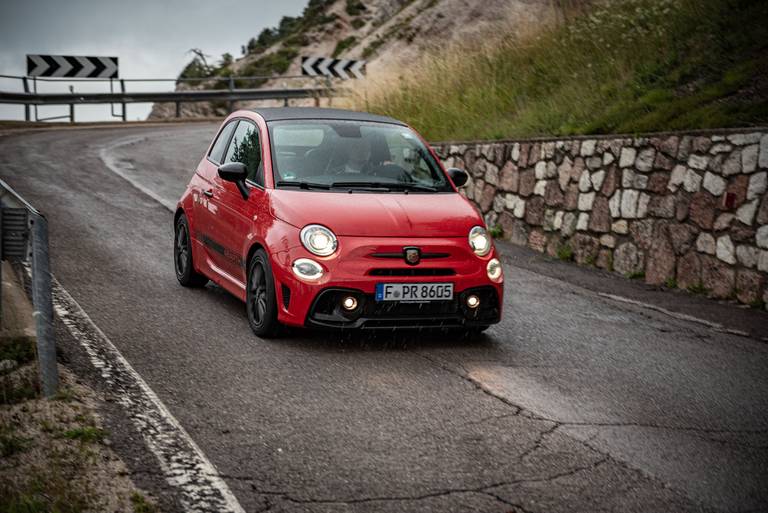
350, 155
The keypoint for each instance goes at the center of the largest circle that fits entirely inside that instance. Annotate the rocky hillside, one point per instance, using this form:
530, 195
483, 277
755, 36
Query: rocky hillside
388, 34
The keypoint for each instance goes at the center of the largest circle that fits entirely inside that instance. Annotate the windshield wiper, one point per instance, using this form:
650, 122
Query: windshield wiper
303, 185
413, 187
361, 185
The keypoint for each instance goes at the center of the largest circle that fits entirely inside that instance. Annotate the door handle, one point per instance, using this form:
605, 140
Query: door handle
209, 193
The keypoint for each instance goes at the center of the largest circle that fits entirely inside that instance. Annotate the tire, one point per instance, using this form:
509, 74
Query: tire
261, 301
182, 256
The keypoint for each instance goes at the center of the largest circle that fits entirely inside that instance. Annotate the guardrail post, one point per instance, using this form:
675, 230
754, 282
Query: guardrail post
43, 305
25, 82
122, 90
178, 109
231, 89
72, 106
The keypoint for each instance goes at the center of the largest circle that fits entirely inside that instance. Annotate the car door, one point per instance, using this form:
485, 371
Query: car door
232, 215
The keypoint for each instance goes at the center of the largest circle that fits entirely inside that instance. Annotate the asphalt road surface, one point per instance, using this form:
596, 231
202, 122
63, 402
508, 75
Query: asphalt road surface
575, 402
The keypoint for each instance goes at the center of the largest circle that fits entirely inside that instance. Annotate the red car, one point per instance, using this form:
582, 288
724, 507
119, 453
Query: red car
336, 219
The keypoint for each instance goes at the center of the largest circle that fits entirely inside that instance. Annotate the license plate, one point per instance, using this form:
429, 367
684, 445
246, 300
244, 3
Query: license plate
414, 292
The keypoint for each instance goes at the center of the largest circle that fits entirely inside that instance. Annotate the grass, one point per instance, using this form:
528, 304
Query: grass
671, 283
343, 45
636, 275
10, 443
141, 505
86, 434
497, 232
21, 349
698, 289
565, 253
630, 66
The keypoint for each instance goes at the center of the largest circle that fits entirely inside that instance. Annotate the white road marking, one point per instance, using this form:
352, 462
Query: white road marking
112, 163
184, 464
684, 317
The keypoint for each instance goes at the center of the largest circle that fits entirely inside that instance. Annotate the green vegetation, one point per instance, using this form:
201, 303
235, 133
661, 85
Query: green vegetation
671, 283
636, 275
630, 66
86, 434
697, 289
343, 45
20, 349
141, 505
497, 232
10, 443
354, 7
565, 252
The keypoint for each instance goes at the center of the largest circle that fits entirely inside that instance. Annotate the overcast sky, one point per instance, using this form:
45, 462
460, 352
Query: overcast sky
150, 38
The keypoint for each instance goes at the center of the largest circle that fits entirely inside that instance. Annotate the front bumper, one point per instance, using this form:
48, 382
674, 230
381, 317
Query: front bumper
363, 262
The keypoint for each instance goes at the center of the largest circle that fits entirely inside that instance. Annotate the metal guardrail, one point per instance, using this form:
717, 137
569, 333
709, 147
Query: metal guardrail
24, 238
231, 94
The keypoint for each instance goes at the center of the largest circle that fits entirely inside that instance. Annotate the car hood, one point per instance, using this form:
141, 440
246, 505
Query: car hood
381, 215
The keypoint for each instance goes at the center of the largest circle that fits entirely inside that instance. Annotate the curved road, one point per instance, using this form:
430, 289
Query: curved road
575, 402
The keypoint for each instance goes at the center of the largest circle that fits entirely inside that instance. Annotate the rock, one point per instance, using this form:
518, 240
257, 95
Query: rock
537, 240
627, 259
737, 190
605, 259
757, 185
677, 177
629, 199
609, 241
597, 179
498, 203
749, 159
702, 209
586, 200
640, 182
558, 222
519, 233
571, 197
540, 188
762, 261
684, 148
642, 233
720, 148
763, 162
714, 184
761, 237
551, 171
515, 204
744, 139
692, 181
522, 160
644, 160
553, 246
681, 236
662, 206
611, 182
723, 221
582, 222
585, 181
699, 162
642, 205
716, 164
588, 147
514, 153
661, 258
621, 226
705, 243
732, 165
549, 220
669, 145
548, 150
594, 163
627, 157
564, 172
540, 170
741, 233
682, 206
509, 177
725, 250
627, 177
8, 366
747, 255
600, 220
486, 199
491, 174
717, 278
701, 144
762, 214
490, 218
608, 158
585, 248
689, 271
527, 183
663, 162
553, 196
749, 286
746, 212
569, 224
577, 168
614, 204
534, 211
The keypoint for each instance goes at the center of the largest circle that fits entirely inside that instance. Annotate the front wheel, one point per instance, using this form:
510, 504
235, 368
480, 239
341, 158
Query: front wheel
261, 301
182, 256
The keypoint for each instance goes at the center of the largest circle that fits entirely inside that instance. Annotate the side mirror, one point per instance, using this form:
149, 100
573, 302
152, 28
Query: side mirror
458, 176
235, 172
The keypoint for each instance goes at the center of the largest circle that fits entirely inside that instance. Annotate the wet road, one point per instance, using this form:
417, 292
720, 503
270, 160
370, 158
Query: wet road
574, 402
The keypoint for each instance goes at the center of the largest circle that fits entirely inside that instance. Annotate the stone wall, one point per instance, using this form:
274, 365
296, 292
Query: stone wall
680, 210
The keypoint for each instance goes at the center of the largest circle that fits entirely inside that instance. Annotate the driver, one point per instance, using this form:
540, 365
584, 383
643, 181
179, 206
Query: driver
358, 150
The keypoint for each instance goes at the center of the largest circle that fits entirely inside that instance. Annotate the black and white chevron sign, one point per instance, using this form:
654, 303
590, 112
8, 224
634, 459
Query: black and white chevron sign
325, 66
70, 66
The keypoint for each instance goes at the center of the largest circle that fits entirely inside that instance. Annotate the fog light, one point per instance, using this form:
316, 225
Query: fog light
307, 269
349, 303
494, 269
473, 301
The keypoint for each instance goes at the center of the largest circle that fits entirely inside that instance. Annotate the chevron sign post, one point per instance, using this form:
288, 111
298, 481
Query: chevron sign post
68, 66
327, 67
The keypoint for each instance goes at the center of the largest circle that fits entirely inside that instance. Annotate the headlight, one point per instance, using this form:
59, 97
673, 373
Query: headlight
307, 269
479, 241
494, 269
318, 240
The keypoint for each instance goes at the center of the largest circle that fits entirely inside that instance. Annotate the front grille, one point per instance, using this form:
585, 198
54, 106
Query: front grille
413, 271
286, 296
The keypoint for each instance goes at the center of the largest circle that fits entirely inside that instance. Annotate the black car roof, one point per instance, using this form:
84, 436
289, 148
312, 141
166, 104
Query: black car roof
286, 113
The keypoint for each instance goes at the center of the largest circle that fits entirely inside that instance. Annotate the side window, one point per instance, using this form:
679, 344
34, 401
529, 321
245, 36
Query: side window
246, 148
217, 152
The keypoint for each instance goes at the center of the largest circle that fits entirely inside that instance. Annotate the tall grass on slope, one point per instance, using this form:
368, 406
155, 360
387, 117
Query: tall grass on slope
627, 66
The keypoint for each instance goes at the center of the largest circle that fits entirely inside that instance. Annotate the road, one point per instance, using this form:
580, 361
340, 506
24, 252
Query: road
575, 402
